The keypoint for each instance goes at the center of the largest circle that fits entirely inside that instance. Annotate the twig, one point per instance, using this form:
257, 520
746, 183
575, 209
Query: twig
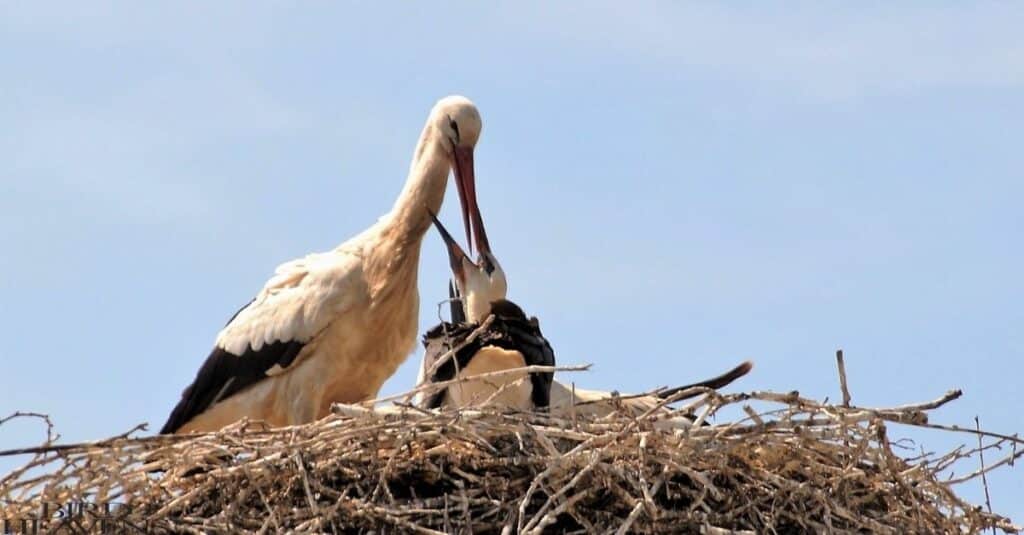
927, 406
841, 364
53, 448
981, 457
50, 435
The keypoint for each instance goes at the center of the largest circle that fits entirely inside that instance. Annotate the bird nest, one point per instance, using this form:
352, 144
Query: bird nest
783, 464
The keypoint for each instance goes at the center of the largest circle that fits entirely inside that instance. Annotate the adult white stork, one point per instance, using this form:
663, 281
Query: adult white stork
333, 326
513, 341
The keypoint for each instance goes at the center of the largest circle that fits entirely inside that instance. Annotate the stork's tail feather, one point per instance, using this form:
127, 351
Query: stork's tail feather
715, 382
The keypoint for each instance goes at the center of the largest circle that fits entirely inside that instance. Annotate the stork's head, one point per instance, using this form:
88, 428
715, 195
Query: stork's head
457, 117
458, 122
479, 283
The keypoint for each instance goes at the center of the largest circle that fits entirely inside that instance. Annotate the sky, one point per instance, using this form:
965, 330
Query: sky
671, 188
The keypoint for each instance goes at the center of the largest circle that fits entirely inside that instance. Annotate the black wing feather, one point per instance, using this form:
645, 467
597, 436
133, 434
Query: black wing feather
225, 374
530, 342
537, 352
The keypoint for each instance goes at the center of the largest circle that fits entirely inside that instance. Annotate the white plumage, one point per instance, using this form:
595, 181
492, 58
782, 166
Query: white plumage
298, 301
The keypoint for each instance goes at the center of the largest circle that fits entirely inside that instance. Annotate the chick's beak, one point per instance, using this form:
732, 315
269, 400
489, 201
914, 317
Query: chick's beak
456, 256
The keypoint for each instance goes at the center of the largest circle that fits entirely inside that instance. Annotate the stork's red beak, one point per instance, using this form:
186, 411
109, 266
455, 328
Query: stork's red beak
455, 253
471, 218
479, 233
465, 180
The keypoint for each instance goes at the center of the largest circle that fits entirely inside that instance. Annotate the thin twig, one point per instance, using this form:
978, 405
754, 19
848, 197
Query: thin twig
50, 435
981, 457
841, 364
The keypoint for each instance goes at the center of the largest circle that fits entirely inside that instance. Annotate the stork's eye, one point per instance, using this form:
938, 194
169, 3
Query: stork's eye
455, 128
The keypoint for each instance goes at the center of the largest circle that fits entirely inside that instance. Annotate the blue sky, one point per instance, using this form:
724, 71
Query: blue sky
671, 187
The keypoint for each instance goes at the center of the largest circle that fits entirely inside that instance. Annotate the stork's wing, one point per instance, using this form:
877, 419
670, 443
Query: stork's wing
266, 336
530, 342
536, 352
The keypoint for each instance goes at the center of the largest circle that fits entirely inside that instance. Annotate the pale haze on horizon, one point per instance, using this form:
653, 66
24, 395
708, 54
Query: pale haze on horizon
671, 188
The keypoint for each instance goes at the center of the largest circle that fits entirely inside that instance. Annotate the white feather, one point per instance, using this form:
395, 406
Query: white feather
299, 301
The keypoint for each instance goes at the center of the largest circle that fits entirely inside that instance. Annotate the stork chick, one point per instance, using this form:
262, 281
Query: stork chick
511, 341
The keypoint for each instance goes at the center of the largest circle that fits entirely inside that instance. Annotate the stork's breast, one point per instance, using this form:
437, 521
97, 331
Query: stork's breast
510, 389
364, 350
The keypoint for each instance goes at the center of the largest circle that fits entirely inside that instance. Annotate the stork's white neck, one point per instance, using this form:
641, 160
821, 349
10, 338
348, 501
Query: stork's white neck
479, 288
395, 251
424, 189
480, 294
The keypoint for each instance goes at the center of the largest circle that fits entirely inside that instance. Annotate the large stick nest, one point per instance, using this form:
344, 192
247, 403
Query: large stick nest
794, 465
